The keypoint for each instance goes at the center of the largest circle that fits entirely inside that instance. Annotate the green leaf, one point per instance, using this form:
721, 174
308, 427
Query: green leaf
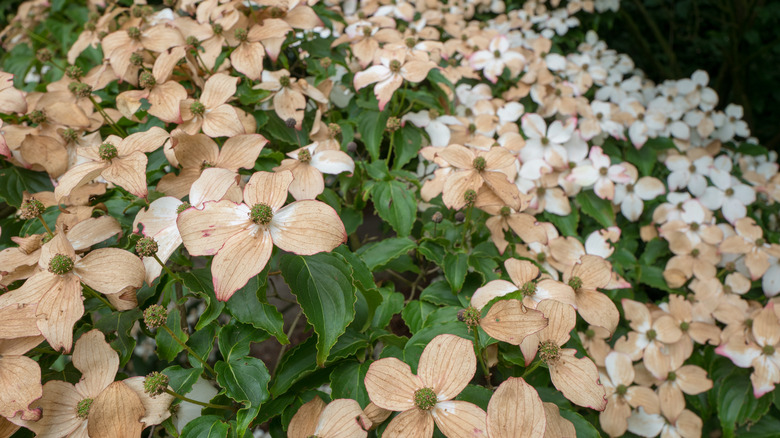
202, 342
245, 379
417, 343
479, 395
653, 250
597, 208
15, 180
395, 203
362, 276
200, 283
455, 268
322, 283
371, 126
392, 303
346, 381
182, 379
167, 347
208, 426
567, 225
583, 427
733, 392
406, 144
768, 427
234, 340
644, 159
415, 313
121, 323
247, 307
379, 253
439, 293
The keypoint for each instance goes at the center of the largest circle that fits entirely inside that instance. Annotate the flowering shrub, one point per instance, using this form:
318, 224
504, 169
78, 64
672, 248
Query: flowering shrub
468, 219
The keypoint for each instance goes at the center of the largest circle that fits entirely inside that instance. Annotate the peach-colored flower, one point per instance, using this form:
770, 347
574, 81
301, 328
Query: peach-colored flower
289, 95
446, 366
576, 378
622, 395
20, 378
120, 161
211, 112
241, 236
307, 165
515, 410
97, 405
586, 277
393, 69
654, 338
341, 418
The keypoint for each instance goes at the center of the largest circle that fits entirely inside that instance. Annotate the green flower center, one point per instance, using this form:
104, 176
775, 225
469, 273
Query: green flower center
496, 54
277, 12
684, 326
83, 408
261, 214
694, 226
590, 333
671, 376
545, 141
32, 208
395, 66
479, 164
107, 151
651, 334
217, 28
197, 108
147, 80
541, 257
134, 33
549, 352
760, 241
146, 247
37, 117
768, 350
470, 316
470, 196
425, 398
505, 211
695, 252
729, 192
304, 156
575, 283
69, 135
136, 59
155, 383
621, 390
241, 34
155, 316
528, 289
60, 264
284, 81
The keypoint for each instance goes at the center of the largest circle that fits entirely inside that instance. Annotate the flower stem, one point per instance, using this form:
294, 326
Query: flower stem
195, 402
531, 368
98, 296
107, 118
189, 350
390, 150
48, 230
173, 275
481, 358
467, 224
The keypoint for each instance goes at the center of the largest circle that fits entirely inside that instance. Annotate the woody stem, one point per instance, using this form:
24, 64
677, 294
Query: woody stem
48, 230
481, 358
189, 350
107, 118
204, 404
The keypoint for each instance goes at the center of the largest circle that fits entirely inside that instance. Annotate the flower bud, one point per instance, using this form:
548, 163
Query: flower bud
290, 123
74, 72
155, 383
155, 316
460, 217
43, 55
437, 217
146, 247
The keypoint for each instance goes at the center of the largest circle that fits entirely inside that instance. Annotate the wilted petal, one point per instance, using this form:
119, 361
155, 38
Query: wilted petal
97, 361
126, 270
460, 419
78, 176
511, 322
222, 121
307, 227
447, 365
116, 412
578, 380
290, 104
156, 409
58, 311
60, 400
242, 257
391, 385
515, 411
304, 422
20, 378
129, 172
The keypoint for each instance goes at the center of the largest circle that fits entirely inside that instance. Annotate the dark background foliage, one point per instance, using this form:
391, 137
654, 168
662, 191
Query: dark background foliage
736, 41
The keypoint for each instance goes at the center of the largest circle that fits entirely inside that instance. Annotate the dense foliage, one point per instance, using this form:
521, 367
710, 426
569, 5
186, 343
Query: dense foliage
374, 218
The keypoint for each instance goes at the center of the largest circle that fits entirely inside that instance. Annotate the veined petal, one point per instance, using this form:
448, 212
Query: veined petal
268, 188
413, 423
60, 400
156, 408
247, 58
203, 232
92, 231
78, 176
495, 288
391, 385
333, 162
447, 365
58, 311
20, 377
222, 121
242, 257
578, 380
116, 412
218, 89
241, 151
384, 90
304, 422
511, 322
307, 227
213, 185
97, 361
129, 172
376, 73
308, 182
342, 418
126, 270
515, 411
460, 419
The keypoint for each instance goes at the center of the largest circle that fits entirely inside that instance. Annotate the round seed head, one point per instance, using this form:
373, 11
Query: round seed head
425, 398
60, 264
155, 383
146, 247
261, 214
107, 151
32, 208
155, 316
82, 408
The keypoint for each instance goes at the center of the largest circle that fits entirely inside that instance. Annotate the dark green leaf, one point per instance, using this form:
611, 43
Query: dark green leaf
733, 392
455, 268
245, 379
246, 307
581, 425
371, 126
415, 313
15, 180
439, 293
407, 142
597, 208
379, 253
323, 286
567, 225
182, 379
121, 323
167, 347
396, 204
234, 340
346, 381
200, 283
208, 426
392, 303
